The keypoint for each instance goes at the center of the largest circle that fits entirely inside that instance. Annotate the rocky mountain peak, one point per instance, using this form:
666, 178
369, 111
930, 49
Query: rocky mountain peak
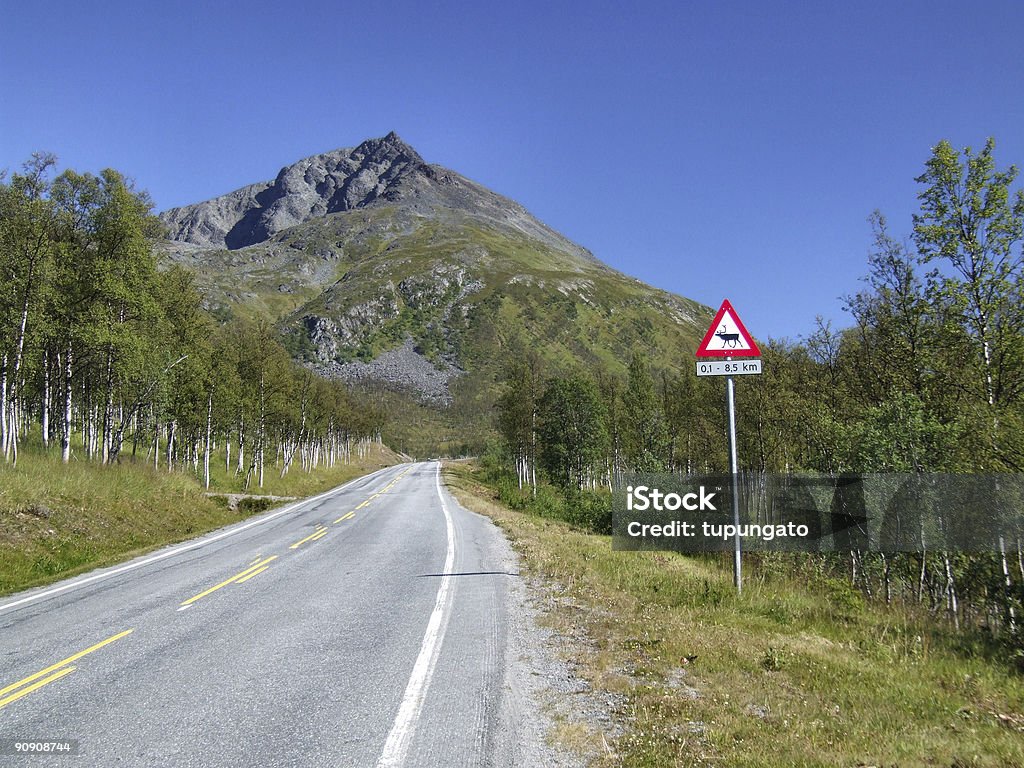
377, 170
391, 148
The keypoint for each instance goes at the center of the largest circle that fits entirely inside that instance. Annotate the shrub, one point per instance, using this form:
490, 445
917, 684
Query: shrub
589, 510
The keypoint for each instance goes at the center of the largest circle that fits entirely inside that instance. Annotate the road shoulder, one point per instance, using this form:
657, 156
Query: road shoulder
549, 715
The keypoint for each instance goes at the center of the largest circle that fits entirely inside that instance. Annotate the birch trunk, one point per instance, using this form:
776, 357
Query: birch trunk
4, 427
261, 429
209, 438
65, 438
170, 445
108, 405
886, 578
952, 604
1010, 617
45, 415
241, 445
11, 394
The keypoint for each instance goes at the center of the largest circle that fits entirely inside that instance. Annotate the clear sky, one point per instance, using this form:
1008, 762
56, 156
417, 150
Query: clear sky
715, 149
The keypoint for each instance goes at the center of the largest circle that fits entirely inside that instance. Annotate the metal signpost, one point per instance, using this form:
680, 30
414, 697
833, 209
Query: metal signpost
727, 337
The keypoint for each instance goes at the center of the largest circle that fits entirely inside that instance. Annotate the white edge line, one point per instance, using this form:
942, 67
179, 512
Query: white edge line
399, 738
184, 548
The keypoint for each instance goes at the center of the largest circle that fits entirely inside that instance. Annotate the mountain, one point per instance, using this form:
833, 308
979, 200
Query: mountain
377, 266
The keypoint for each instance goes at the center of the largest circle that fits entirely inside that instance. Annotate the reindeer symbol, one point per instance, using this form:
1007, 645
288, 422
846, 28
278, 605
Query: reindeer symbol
730, 340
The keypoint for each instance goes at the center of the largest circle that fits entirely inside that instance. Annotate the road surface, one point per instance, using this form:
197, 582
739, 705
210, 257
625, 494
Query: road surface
363, 627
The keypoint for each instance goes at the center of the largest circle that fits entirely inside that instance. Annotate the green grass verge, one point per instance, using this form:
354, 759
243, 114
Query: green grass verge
57, 521
793, 672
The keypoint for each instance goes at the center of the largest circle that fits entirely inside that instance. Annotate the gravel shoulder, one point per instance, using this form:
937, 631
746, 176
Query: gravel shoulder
549, 714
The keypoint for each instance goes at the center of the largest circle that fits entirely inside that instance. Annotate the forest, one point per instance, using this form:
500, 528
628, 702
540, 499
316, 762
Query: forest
928, 378
102, 354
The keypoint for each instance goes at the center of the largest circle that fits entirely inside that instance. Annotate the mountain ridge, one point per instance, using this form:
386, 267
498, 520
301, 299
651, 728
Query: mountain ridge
376, 172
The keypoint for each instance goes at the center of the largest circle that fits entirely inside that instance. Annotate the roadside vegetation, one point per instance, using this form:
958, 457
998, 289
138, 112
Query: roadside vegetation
799, 670
102, 354
929, 379
58, 520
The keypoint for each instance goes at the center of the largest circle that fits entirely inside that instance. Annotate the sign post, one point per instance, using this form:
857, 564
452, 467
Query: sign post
727, 337
737, 560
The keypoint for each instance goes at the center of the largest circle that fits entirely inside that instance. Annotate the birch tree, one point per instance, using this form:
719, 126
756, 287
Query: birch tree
971, 226
27, 245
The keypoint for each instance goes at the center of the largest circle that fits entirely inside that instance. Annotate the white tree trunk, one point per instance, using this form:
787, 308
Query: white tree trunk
241, 446
45, 415
1011, 616
65, 438
4, 427
952, 603
170, 445
209, 437
262, 429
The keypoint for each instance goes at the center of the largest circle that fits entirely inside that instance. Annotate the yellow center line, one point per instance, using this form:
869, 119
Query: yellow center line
224, 583
297, 544
25, 691
390, 485
382, 491
254, 573
346, 517
65, 662
319, 535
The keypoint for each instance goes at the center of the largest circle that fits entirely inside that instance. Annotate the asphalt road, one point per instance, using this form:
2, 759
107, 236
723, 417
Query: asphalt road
364, 627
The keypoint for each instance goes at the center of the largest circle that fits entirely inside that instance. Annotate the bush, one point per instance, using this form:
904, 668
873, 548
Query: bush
843, 596
549, 503
510, 494
589, 510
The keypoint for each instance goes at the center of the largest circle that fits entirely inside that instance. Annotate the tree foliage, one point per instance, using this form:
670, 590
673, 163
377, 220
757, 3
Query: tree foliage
99, 349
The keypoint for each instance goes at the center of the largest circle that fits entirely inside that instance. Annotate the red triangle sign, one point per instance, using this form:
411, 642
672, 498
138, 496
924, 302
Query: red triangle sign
727, 336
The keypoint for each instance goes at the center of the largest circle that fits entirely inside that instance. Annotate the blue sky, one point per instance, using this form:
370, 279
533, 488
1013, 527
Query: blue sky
715, 149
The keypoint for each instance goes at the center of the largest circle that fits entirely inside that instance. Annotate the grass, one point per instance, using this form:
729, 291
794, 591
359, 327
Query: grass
57, 521
793, 672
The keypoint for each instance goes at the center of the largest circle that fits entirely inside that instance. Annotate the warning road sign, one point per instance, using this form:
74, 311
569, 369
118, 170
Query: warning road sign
727, 337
